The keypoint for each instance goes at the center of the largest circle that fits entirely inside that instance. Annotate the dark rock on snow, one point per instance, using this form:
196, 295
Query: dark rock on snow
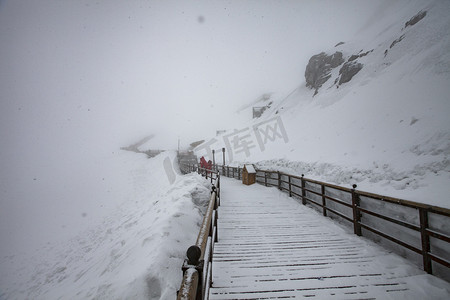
319, 66
396, 41
416, 18
353, 57
365, 53
356, 56
348, 70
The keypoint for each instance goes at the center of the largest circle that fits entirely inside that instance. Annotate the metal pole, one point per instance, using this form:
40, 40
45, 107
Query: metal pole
223, 151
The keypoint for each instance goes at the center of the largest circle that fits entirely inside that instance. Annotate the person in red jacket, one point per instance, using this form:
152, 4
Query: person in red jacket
204, 164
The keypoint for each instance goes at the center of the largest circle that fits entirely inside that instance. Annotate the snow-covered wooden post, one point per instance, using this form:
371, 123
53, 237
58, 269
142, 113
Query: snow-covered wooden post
356, 212
192, 269
189, 285
248, 175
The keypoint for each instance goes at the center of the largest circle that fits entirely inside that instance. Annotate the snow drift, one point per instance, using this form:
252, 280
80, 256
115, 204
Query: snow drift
134, 253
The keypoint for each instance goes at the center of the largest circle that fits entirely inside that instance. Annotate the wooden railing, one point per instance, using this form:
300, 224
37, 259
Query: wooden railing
197, 266
417, 231
208, 173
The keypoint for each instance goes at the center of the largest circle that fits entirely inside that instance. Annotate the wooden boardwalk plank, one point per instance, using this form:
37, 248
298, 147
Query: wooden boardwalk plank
272, 247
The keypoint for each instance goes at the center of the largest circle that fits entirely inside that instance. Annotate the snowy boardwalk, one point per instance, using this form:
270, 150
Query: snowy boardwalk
270, 246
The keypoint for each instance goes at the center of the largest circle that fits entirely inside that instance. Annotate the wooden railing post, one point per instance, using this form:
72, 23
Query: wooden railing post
239, 173
425, 240
324, 202
279, 180
356, 212
189, 285
265, 178
303, 190
290, 186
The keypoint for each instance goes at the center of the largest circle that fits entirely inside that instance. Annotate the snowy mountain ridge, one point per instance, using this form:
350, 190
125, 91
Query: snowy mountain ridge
387, 128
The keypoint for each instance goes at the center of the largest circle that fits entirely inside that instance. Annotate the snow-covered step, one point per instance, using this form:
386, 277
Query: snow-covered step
270, 246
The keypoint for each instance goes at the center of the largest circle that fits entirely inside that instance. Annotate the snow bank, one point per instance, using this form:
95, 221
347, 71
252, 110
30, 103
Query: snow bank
135, 253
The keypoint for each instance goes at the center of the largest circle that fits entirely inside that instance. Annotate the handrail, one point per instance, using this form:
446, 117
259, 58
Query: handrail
197, 266
348, 204
358, 204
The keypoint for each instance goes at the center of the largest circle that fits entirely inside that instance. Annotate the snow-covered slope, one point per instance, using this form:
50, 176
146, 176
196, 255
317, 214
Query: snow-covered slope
388, 128
134, 253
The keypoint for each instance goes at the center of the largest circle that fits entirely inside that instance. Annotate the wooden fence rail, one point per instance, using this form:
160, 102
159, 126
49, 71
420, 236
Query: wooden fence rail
421, 228
197, 266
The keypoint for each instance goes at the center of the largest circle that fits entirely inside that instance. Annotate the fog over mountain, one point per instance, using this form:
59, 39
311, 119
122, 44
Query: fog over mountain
79, 80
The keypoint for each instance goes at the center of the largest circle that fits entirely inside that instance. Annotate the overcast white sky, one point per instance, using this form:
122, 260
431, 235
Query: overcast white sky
122, 68
80, 78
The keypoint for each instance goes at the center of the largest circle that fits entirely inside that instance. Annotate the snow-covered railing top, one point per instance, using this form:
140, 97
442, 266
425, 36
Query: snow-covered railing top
402, 224
197, 266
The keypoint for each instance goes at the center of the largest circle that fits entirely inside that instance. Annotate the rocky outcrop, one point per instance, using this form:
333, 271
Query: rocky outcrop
319, 67
416, 18
397, 41
351, 67
348, 70
356, 56
419, 16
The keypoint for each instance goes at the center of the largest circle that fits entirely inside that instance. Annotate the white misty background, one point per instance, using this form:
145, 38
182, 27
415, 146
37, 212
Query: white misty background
80, 79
